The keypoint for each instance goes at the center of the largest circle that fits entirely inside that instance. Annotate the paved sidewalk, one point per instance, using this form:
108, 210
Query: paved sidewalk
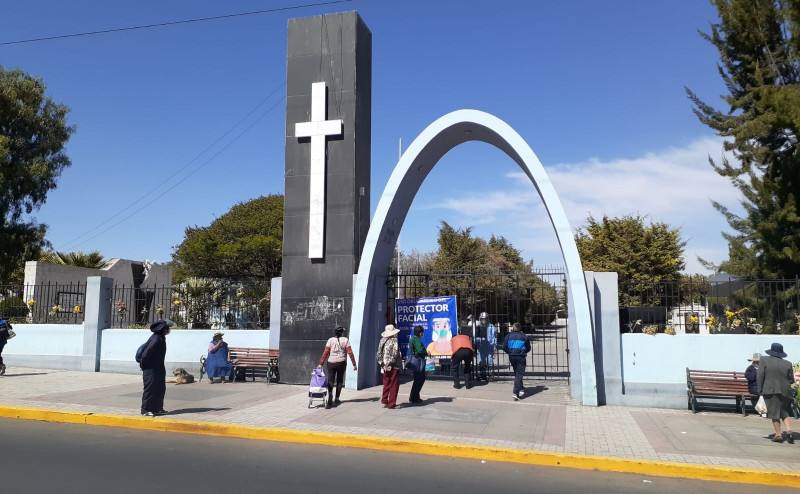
484, 418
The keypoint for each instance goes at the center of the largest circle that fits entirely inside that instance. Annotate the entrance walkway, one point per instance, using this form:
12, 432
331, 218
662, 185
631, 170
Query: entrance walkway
484, 422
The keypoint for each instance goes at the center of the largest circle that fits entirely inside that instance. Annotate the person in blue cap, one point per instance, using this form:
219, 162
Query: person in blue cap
154, 374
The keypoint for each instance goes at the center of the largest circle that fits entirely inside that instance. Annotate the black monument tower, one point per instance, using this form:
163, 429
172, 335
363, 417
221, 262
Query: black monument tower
327, 179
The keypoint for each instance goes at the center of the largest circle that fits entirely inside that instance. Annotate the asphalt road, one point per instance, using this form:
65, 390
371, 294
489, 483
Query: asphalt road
42, 457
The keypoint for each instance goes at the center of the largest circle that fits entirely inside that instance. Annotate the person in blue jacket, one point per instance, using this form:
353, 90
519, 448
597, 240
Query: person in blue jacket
218, 362
517, 346
154, 374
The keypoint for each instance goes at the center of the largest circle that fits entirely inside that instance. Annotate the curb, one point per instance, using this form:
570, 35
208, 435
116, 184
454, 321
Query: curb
416, 446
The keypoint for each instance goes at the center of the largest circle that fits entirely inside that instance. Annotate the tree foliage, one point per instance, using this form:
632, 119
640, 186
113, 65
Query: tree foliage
635, 251
459, 251
33, 132
93, 260
245, 243
758, 46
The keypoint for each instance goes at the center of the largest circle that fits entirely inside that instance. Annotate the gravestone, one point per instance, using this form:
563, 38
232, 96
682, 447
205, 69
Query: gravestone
327, 179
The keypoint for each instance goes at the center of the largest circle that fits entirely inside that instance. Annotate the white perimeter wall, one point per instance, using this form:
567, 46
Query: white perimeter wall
663, 359
45, 339
60, 346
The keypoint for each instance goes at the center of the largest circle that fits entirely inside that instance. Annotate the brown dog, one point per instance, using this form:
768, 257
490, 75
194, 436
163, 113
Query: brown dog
182, 377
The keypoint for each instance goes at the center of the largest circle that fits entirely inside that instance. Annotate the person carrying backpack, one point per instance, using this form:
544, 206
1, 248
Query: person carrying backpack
154, 374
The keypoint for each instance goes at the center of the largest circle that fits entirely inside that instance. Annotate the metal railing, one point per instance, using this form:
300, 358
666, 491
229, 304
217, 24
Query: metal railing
43, 303
697, 305
538, 301
200, 304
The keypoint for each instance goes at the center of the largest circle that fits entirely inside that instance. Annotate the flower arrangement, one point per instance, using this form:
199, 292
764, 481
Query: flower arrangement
739, 319
176, 303
54, 310
77, 309
651, 329
121, 308
160, 310
670, 329
31, 303
796, 384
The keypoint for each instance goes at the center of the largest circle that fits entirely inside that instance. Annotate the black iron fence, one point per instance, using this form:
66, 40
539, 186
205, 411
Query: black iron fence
700, 305
199, 304
44, 303
538, 301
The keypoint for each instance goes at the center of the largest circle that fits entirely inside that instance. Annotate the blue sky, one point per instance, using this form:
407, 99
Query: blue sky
177, 124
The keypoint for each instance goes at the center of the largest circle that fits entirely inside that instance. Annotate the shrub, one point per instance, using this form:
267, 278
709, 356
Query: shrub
13, 307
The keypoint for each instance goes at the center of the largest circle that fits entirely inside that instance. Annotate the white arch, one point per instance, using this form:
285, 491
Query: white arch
369, 295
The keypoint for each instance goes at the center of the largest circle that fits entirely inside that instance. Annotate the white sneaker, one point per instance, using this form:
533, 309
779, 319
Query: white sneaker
515, 396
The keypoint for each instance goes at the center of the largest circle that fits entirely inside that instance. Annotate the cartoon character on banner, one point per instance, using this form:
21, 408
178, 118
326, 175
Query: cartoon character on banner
441, 335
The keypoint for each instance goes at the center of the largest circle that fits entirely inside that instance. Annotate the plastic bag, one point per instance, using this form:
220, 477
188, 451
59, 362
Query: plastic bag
761, 406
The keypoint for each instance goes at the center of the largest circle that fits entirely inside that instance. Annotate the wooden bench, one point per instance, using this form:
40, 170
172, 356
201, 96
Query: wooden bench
254, 359
717, 384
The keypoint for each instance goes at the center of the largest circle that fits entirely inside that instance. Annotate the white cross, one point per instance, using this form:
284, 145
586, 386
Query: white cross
317, 129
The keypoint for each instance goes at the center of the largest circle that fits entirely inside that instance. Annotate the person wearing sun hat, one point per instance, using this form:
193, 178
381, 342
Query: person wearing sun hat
389, 360
775, 377
218, 361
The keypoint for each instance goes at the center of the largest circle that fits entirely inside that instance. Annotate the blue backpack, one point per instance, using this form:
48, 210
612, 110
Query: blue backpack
139, 353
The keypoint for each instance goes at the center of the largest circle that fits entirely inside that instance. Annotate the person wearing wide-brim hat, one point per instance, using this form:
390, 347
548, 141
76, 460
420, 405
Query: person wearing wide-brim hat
389, 361
154, 374
775, 378
751, 374
218, 361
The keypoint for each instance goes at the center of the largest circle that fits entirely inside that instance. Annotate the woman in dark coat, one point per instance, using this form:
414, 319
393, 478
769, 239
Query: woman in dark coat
154, 374
775, 378
4, 329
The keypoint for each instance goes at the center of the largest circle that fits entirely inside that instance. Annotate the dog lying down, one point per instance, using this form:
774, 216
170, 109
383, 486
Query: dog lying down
181, 377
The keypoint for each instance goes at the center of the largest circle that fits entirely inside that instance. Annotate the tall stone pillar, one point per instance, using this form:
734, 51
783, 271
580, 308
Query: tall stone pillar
327, 179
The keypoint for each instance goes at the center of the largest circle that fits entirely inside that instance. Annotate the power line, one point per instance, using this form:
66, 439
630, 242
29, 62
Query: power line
172, 23
190, 174
66, 245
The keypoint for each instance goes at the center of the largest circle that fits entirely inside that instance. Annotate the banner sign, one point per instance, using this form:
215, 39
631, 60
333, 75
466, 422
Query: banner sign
437, 315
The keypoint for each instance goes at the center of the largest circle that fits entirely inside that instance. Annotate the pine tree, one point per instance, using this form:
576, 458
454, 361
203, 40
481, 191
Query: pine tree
758, 46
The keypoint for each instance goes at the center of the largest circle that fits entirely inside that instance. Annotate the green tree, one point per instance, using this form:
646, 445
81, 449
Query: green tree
758, 46
91, 260
505, 258
33, 132
245, 243
635, 251
459, 251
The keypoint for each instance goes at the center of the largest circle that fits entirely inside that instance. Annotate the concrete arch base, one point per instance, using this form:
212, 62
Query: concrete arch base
369, 294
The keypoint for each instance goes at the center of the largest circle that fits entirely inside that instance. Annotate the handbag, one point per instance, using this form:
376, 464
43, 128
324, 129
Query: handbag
415, 363
761, 406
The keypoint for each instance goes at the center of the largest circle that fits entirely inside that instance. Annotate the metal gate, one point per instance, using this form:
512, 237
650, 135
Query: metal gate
538, 301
